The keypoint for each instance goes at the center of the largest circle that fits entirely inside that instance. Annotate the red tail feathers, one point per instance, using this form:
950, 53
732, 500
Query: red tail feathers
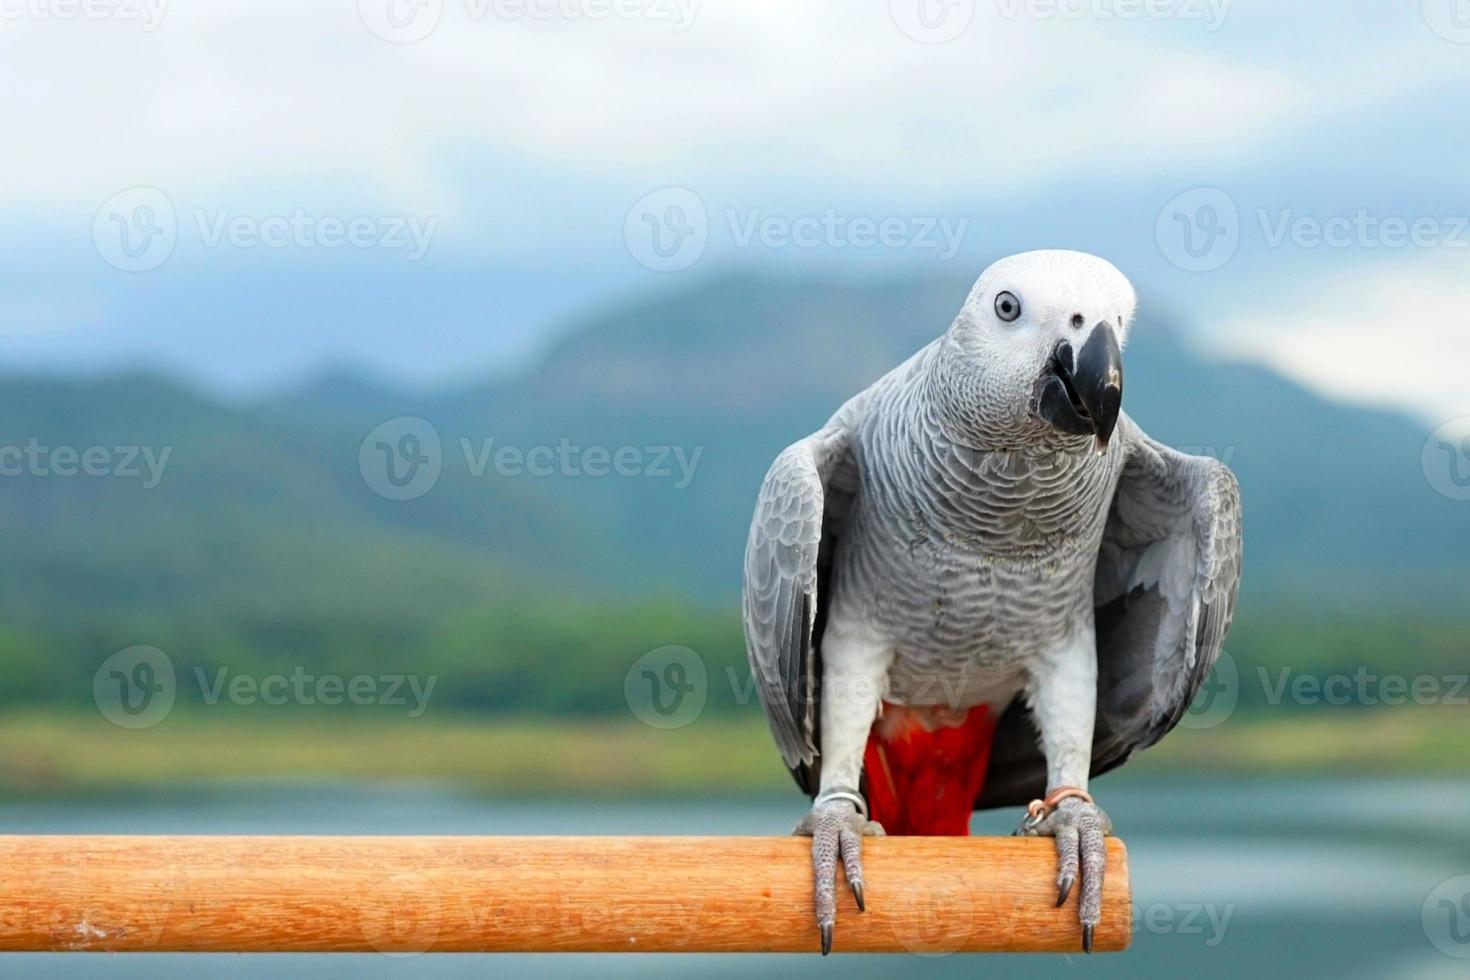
926, 767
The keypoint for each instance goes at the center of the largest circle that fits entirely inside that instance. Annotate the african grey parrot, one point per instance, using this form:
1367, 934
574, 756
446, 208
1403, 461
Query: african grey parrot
981, 583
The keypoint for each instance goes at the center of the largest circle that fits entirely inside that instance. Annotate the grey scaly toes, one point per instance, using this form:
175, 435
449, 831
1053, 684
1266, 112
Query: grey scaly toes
837, 828
1078, 826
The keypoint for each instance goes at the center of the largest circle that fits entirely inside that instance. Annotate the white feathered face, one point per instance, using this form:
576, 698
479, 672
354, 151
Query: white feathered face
1036, 352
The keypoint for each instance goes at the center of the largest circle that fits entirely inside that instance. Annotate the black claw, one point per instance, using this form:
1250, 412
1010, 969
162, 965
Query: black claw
857, 893
1087, 939
1064, 888
827, 939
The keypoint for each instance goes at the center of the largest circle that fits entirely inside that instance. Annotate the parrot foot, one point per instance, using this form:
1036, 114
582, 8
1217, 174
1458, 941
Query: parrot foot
837, 828
1079, 826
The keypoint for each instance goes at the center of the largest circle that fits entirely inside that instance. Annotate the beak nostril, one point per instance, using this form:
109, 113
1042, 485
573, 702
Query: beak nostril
1077, 321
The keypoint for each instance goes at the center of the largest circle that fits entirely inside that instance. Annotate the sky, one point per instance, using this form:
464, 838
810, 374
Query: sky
247, 192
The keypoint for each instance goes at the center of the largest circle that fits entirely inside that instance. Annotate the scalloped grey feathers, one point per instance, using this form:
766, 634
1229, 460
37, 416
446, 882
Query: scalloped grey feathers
1167, 575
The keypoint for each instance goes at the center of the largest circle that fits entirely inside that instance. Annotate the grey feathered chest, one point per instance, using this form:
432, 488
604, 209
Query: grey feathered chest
967, 560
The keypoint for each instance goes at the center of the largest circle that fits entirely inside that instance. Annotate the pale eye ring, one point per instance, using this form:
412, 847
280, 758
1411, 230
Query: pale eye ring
1007, 307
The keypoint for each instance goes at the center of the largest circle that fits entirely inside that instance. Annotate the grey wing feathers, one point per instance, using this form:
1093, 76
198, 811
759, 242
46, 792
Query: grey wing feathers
1167, 576
785, 572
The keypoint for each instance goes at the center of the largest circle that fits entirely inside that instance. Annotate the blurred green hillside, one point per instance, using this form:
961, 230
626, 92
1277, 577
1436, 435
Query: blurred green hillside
264, 546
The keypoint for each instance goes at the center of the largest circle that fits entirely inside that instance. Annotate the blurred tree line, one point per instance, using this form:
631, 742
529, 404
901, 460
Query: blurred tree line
569, 658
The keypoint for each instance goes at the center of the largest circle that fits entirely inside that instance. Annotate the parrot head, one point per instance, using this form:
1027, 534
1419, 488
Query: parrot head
1035, 355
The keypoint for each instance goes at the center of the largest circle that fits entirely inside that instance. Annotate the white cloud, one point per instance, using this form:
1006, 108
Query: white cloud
1394, 330
230, 93
527, 140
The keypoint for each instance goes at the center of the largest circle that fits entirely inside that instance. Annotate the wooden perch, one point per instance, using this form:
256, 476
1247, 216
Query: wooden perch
534, 894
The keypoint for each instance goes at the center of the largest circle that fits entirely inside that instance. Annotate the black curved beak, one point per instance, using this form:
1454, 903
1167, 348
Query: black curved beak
1081, 394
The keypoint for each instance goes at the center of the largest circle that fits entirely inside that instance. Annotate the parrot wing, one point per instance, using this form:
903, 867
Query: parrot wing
801, 510
1168, 572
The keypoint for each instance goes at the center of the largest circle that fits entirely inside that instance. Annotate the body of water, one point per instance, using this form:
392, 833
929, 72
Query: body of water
1232, 877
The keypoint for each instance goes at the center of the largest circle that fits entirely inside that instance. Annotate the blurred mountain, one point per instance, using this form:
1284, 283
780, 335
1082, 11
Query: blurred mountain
1337, 505
266, 513
189, 508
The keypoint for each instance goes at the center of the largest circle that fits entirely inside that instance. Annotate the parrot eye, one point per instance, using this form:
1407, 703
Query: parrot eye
1007, 307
